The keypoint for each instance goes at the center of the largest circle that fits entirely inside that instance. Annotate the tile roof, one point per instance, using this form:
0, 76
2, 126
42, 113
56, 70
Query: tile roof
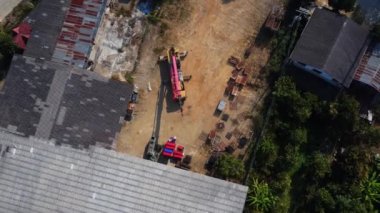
333, 43
92, 110
39, 177
54, 101
46, 21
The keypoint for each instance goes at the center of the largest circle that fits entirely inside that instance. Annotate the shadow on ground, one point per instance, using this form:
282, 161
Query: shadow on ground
171, 106
227, 1
164, 93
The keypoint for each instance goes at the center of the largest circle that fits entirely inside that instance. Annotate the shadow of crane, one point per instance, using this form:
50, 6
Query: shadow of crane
163, 93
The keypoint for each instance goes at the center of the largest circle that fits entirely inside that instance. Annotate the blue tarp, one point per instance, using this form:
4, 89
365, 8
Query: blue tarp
146, 6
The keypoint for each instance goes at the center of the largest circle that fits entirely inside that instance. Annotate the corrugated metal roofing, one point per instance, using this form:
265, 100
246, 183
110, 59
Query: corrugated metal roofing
40, 177
78, 32
368, 71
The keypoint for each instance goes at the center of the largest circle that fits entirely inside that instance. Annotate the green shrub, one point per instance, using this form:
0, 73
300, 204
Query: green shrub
229, 167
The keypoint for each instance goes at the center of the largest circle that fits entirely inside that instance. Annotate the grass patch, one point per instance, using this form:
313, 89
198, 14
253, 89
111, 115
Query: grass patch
129, 78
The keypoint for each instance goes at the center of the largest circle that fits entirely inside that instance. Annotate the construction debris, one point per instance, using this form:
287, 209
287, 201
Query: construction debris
232, 147
239, 77
187, 77
131, 106
275, 18
219, 147
185, 163
118, 43
211, 136
220, 126
233, 60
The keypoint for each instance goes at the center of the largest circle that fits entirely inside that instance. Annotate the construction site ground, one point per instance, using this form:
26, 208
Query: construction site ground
211, 32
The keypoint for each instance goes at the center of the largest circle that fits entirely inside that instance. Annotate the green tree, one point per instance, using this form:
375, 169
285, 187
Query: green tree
367, 134
346, 5
319, 166
266, 154
290, 105
370, 189
298, 136
281, 182
342, 121
352, 165
347, 117
358, 15
228, 167
376, 33
7, 48
347, 204
321, 200
260, 197
290, 160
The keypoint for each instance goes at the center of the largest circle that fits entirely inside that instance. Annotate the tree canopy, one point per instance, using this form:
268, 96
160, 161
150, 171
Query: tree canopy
314, 153
346, 5
260, 197
7, 48
376, 30
228, 167
370, 188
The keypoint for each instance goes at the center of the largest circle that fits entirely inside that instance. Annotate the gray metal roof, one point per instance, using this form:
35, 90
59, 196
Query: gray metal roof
333, 43
50, 100
39, 177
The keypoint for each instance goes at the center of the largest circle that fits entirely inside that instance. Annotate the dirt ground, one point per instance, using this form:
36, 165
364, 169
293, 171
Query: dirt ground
322, 2
214, 30
7, 7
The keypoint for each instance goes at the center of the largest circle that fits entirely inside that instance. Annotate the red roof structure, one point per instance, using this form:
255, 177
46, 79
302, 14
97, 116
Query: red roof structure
78, 31
19, 41
368, 71
22, 34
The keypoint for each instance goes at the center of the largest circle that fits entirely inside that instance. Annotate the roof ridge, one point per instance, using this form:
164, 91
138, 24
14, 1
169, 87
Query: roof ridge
343, 26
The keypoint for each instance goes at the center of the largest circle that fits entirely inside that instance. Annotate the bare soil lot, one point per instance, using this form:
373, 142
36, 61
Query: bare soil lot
213, 32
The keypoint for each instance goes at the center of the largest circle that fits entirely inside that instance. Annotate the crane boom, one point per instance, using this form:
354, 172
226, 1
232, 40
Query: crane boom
176, 77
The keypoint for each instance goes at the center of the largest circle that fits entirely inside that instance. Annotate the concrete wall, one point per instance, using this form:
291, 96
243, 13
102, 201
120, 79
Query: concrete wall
317, 72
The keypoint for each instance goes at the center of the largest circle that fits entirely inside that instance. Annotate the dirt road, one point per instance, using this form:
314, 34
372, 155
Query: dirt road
214, 31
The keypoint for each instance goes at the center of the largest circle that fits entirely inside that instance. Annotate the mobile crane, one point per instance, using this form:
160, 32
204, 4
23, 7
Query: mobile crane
176, 75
